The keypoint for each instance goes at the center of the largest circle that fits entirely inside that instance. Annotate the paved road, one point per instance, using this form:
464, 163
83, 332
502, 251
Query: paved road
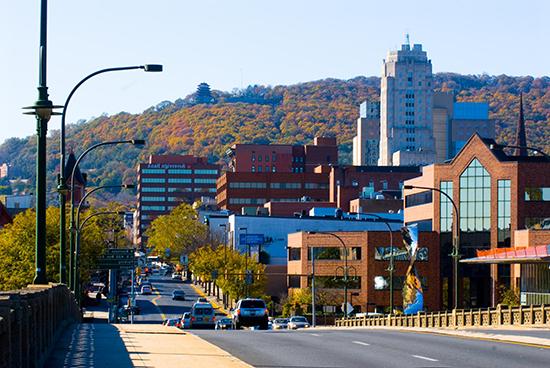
371, 348
543, 333
159, 305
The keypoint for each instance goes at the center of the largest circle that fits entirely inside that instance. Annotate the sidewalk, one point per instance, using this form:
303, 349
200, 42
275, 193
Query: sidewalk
140, 345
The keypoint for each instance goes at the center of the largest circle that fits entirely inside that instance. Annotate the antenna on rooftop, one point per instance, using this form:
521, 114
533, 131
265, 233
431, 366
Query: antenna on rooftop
407, 40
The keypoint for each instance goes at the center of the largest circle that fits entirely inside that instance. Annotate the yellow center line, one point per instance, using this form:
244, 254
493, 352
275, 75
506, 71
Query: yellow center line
154, 301
214, 304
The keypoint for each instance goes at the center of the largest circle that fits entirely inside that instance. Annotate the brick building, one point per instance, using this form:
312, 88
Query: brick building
252, 189
366, 264
283, 158
351, 182
167, 180
496, 194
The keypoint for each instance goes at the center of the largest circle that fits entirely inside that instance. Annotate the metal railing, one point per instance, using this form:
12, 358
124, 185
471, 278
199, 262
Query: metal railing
31, 320
500, 316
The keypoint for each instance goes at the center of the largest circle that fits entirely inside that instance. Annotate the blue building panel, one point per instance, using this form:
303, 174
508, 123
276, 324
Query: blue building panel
471, 110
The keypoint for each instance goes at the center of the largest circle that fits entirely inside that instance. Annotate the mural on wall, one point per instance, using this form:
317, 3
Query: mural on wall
413, 297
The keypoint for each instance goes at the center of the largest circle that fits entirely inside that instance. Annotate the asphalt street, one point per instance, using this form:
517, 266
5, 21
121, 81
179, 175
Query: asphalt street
159, 305
372, 349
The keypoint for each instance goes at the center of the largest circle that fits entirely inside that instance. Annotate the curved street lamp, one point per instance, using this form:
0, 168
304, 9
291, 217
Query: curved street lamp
62, 180
75, 270
497, 146
135, 142
456, 239
76, 287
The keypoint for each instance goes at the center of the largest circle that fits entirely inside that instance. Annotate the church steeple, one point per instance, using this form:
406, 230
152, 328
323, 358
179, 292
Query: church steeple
521, 139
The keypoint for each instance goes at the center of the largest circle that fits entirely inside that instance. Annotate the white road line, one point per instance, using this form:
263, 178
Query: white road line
361, 343
425, 358
314, 334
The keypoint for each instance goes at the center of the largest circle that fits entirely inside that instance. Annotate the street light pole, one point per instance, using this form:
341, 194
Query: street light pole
456, 239
534, 149
245, 229
42, 109
135, 142
62, 180
312, 287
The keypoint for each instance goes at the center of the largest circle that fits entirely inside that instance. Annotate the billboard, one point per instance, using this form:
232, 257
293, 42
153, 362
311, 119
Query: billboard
251, 239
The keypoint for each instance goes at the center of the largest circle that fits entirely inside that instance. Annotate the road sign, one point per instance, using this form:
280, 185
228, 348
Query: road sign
349, 308
251, 239
115, 259
249, 278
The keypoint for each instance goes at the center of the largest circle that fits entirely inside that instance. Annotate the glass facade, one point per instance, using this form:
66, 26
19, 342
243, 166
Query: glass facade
475, 198
206, 171
333, 253
503, 216
153, 180
399, 254
153, 189
179, 180
152, 199
152, 171
179, 171
418, 199
446, 207
205, 181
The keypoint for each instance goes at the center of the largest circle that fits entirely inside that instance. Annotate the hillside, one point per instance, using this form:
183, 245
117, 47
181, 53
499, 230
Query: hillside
258, 114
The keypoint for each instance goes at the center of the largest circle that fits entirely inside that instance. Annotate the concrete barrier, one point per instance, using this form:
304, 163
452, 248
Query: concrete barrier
500, 316
31, 320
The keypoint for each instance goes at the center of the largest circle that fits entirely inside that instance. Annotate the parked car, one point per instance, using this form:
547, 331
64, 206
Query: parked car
298, 322
249, 313
185, 320
202, 315
280, 323
171, 322
202, 300
178, 294
146, 290
134, 309
224, 324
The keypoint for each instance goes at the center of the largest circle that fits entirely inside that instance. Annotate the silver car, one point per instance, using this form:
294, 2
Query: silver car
280, 323
298, 322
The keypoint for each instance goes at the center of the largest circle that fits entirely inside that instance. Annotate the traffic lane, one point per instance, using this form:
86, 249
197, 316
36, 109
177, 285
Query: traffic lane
543, 333
356, 348
166, 307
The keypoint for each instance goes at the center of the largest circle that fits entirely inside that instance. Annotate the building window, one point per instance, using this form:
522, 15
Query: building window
383, 282
316, 185
273, 169
247, 185
294, 281
475, 198
400, 254
152, 171
266, 168
384, 184
286, 185
179, 180
253, 157
152, 199
253, 168
446, 207
273, 157
354, 183
205, 181
259, 159
334, 253
180, 171
179, 189
153, 208
537, 194
294, 254
503, 219
206, 171
336, 282
418, 199
259, 167
153, 180
153, 189
266, 158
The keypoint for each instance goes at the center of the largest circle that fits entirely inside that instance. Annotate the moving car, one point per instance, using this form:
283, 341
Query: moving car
249, 313
202, 315
178, 294
146, 290
224, 324
185, 321
298, 322
171, 322
280, 323
176, 276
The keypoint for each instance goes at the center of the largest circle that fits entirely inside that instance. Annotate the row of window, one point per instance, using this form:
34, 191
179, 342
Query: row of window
179, 180
354, 282
418, 199
537, 194
354, 254
273, 157
409, 122
247, 200
260, 168
180, 171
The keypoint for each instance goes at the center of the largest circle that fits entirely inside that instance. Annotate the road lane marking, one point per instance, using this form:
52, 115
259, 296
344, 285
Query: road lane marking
214, 304
361, 343
314, 334
425, 358
154, 301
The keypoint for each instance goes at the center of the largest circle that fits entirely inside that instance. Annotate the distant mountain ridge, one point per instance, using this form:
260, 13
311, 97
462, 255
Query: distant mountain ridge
260, 114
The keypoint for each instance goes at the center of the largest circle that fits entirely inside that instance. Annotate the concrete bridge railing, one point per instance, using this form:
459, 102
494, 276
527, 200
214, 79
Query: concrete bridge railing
31, 319
500, 316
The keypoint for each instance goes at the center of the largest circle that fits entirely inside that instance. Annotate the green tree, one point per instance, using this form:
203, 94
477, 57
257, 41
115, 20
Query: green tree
180, 231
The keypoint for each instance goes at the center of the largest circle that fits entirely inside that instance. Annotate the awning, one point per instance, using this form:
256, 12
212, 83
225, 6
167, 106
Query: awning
539, 254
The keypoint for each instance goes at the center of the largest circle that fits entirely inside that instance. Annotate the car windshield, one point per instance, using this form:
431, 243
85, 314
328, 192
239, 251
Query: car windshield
299, 319
281, 320
225, 320
203, 311
253, 304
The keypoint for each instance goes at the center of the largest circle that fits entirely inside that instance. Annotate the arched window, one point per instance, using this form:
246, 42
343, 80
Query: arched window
475, 198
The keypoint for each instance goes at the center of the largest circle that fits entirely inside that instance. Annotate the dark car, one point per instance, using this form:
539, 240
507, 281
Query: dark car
178, 294
249, 313
224, 324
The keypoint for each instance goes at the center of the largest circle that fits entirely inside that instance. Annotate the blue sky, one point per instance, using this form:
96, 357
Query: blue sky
230, 44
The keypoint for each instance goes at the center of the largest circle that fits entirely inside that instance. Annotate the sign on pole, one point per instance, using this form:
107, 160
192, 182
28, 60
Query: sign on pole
251, 239
116, 259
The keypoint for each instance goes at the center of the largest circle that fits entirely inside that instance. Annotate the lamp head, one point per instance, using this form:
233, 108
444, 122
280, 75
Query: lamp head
121, 212
138, 142
408, 186
152, 67
128, 186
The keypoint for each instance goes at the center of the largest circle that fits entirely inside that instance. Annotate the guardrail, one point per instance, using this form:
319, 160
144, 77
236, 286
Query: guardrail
31, 320
499, 316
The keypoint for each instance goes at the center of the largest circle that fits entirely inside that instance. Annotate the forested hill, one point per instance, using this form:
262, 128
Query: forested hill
259, 114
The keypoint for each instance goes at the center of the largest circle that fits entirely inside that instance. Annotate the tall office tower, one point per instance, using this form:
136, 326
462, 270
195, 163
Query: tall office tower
366, 142
406, 132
